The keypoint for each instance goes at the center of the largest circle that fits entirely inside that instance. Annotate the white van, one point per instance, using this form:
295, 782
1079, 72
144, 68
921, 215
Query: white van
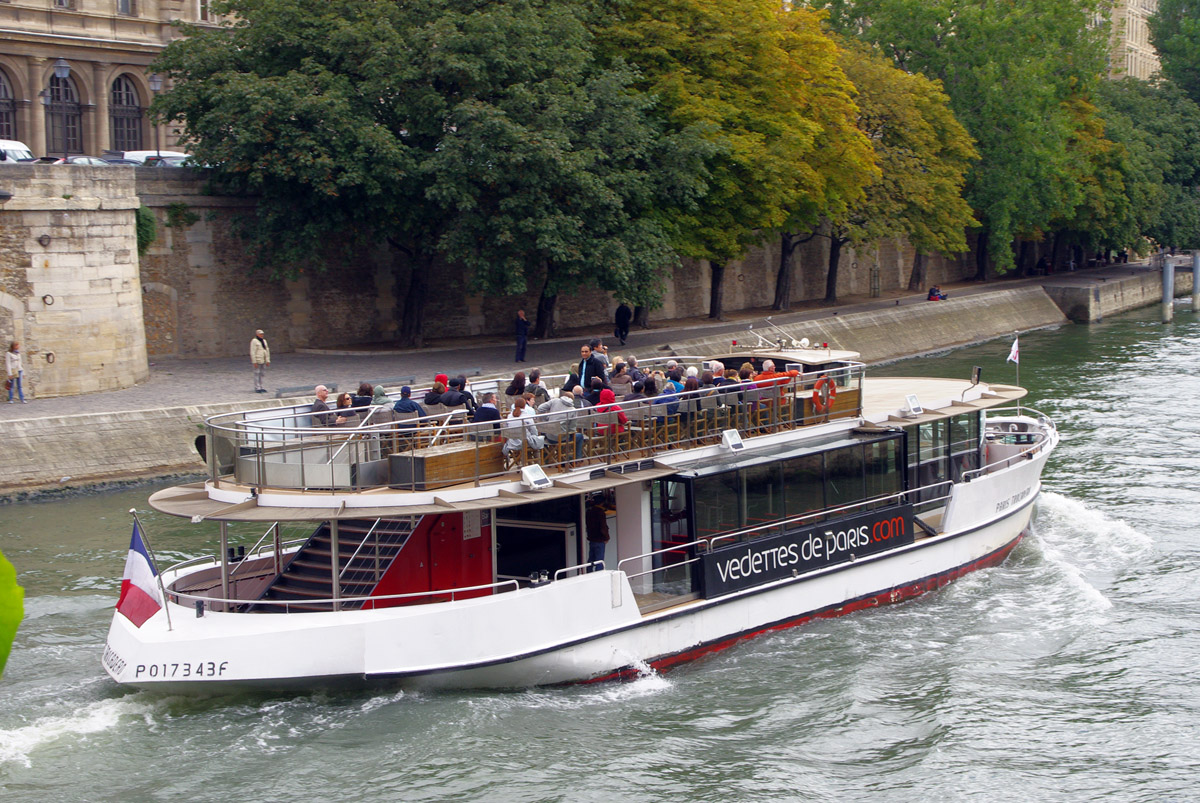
12, 151
140, 156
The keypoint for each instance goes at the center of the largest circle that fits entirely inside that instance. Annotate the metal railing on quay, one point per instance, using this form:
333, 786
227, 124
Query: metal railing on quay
283, 450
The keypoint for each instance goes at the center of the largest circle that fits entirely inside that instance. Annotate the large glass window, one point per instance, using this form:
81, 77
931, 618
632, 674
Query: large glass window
804, 478
844, 484
8, 109
883, 470
64, 117
125, 112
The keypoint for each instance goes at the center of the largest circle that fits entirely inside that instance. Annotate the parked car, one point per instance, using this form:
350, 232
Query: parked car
93, 161
13, 151
168, 161
117, 161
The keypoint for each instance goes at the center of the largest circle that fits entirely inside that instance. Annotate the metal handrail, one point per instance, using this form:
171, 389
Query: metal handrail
672, 548
252, 550
341, 600
1025, 454
663, 568
579, 567
216, 560
361, 544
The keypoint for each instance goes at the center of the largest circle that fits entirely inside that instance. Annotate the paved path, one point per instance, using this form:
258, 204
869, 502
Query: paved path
174, 382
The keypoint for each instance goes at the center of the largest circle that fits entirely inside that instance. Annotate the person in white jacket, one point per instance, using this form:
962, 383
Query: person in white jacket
12, 364
260, 358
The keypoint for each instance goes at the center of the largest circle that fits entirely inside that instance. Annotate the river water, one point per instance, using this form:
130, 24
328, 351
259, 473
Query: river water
1067, 673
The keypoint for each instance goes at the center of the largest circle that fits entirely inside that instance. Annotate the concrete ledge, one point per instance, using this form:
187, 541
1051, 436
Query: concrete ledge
1085, 300
91, 448
892, 333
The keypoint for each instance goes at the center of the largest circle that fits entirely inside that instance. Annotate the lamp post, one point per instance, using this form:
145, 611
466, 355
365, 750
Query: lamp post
62, 71
155, 81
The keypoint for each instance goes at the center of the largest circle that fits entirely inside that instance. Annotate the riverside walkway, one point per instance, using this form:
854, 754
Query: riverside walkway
175, 382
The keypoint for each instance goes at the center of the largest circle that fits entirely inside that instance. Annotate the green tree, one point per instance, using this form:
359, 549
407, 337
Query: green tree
1159, 128
1175, 34
12, 608
1009, 69
923, 154
761, 82
439, 126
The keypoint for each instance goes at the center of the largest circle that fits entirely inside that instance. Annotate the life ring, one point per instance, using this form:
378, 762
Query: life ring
824, 392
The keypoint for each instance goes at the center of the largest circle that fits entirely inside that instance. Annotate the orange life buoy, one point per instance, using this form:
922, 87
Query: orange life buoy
824, 392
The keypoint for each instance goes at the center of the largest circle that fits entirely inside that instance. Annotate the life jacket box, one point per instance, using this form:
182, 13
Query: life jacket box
445, 465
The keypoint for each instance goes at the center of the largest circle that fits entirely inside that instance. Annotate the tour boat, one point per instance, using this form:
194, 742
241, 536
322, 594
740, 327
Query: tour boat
434, 552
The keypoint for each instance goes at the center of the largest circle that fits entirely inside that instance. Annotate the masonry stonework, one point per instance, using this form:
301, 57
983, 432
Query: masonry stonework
69, 284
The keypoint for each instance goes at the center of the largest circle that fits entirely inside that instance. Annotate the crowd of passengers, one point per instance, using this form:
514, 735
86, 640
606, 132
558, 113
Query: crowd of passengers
597, 382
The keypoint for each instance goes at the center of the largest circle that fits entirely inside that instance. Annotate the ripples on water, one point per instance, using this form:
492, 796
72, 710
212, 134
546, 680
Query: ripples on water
1065, 674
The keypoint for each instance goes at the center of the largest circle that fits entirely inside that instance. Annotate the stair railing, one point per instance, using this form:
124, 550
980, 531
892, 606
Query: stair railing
356, 551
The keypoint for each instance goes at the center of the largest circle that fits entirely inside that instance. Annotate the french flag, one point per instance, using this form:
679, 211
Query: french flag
139, 586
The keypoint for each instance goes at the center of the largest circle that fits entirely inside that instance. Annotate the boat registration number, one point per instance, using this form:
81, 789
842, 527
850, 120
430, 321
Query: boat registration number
182, 669
1017, 498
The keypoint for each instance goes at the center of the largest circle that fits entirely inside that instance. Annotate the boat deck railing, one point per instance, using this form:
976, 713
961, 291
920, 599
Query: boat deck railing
273, 449
1038, 439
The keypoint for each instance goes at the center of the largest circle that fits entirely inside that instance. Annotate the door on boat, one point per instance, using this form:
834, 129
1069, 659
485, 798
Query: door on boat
538, 537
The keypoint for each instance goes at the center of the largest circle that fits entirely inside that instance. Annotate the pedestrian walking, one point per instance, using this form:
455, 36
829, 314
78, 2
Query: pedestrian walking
622, 319
522, 332
260, 358
12, 364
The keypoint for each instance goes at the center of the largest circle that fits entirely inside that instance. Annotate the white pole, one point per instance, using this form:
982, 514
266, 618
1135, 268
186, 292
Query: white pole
157, 575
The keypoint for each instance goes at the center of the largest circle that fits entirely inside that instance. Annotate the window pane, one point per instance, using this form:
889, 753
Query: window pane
718, 504
763, 496
844, 476
883, 468
804, 479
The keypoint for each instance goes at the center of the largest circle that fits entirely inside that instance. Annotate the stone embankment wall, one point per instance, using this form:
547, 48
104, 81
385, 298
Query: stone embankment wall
1086, 300
203, 299
69, 287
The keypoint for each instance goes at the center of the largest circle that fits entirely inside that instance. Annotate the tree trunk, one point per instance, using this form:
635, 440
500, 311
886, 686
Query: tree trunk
641, 316
1056, 251
543, 327
783, 279
1024, 263
835, 255
981, 257
916, 280
412, 313
717, 294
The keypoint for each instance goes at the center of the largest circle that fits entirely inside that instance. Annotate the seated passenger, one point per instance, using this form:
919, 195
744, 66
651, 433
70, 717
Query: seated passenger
457, 397
620, 379
634, 372
364, 395
434, 396
321, 418
935, 294
487, 411
516, 387
559, 426
407, 405
541, 394
346, 417
593, 394
518, 429
608, 404
639, 392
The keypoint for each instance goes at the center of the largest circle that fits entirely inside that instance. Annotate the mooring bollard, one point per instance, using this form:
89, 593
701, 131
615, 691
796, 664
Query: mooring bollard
1168, 296
1196, 280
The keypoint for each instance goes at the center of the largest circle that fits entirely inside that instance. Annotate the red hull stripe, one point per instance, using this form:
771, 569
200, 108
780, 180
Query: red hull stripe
898, 594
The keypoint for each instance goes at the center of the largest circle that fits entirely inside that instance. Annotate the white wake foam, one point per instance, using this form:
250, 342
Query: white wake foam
18, 744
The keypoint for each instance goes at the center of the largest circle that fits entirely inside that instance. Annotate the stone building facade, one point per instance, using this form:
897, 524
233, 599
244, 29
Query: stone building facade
69, 285
106, 46
1132, 53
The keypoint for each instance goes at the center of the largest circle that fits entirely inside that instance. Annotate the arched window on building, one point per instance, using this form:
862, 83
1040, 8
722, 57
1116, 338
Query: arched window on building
64, 117
8, 109
125, 111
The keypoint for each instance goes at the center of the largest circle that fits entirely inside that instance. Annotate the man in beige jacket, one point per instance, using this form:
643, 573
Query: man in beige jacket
260, 358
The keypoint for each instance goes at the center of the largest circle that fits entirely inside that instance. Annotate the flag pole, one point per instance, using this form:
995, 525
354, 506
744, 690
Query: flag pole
157, 574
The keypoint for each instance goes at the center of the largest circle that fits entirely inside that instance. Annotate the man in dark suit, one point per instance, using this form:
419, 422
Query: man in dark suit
590, 366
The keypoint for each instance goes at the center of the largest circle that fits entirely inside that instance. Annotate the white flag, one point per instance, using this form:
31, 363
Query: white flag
1014, 354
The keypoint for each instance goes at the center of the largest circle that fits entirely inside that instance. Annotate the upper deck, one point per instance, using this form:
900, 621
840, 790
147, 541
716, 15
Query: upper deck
268, 465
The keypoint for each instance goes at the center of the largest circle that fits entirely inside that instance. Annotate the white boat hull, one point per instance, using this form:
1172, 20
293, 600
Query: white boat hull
576, 629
